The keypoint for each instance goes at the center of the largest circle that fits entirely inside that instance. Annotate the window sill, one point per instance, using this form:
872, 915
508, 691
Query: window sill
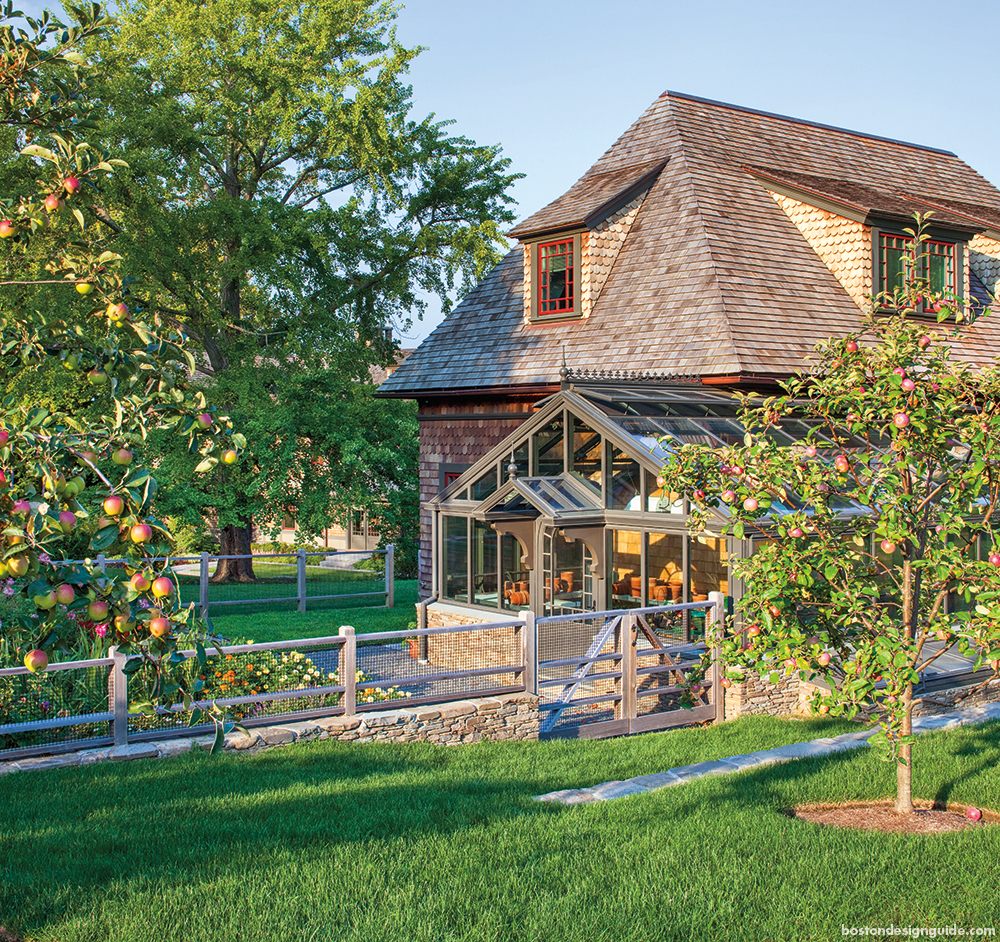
555, 319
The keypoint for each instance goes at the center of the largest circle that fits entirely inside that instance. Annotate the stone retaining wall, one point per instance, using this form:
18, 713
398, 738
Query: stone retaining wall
754, 696
513, 716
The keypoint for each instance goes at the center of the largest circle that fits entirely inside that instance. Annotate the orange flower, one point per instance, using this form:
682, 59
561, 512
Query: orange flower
249, 667
229, 676
222, 686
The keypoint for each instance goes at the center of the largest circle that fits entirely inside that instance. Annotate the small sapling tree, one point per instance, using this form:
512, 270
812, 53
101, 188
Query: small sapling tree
870, 491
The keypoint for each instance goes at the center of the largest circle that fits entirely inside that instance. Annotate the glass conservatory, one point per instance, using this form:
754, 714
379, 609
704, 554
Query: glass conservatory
568, 515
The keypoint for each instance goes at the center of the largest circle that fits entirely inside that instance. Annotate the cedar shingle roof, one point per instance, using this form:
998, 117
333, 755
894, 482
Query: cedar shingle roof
713, 278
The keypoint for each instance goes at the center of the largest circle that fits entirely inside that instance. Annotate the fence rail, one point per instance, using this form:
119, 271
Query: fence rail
310, 677
309, 581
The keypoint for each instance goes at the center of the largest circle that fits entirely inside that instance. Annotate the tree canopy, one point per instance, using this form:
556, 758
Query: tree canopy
285, 210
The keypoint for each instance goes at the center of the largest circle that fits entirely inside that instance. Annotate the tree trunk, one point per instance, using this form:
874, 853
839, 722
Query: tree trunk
235, 541
904, 767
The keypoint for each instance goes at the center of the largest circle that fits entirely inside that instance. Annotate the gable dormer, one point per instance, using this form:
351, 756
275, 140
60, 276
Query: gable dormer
861, 235
570, 246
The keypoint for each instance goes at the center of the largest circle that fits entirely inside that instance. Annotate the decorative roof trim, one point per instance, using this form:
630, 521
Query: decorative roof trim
626, 376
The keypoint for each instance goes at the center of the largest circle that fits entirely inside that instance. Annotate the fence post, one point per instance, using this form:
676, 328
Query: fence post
715, 624
203, 585
349, 669
529, 651
629, 668
300, 559
119, 697
102, 563
390, 576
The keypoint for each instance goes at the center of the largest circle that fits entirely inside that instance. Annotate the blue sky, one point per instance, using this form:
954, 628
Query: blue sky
556, 82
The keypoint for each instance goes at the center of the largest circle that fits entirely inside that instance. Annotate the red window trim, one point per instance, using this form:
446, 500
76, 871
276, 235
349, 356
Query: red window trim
570, 299
908, 246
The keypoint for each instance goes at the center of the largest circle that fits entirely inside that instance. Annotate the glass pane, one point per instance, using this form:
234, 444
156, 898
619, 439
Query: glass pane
485, 486
893, 254
625, 584
568, 576
521, 460
659, 499
515, 579
709, 561
940, 261
665, 567
456, 558
586, 454
555, 277
548, 445
623, 492
484, 564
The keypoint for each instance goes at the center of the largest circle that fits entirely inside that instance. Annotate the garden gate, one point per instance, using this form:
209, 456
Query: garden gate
612, 673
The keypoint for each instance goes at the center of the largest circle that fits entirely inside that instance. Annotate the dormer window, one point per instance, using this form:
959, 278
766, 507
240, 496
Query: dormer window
938, 259
556, 266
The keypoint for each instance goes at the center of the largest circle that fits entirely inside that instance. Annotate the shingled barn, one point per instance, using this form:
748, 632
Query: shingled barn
707, 250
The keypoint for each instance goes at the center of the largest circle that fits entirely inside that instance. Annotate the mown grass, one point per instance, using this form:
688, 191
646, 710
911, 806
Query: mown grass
426, 844
285, 623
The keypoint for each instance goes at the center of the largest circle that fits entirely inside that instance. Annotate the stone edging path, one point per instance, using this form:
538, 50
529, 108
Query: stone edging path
816, 747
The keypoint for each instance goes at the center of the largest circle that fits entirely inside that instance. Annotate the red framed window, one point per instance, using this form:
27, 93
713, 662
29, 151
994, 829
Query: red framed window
938, 264
555, 278
450, 477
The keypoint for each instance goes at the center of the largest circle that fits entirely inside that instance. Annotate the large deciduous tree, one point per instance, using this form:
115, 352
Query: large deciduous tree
876, 543
289, 212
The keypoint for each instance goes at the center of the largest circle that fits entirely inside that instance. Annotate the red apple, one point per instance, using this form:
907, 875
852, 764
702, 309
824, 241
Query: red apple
726, 682
796, 532
4, 437
162, 587
888, 547
851, 346
141, 533
98, 610
52, 202
810, 451
899, 371
124, 623
65, 594
750, 504
973, 814
71, 185
121, 456
67, 520
113, 505
205, 421
7, 228
900, 420
159, 627
753, 630
22, 507
994, 559
117, 312
36, 661
824, 708
140, 582
97, 377
728, 496
908, 385
774, 610
824, 658
842, 464
924, 342
698, 494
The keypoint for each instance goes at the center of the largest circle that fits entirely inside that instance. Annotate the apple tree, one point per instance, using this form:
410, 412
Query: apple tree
870, 490
67, 464
287, 212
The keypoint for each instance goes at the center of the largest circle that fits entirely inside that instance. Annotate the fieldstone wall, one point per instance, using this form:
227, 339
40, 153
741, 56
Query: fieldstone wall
756, 697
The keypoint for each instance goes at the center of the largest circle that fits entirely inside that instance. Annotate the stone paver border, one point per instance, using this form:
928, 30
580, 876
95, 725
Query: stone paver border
642, 784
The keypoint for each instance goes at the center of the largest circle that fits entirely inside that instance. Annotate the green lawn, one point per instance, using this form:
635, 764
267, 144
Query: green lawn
277, 581
284, 623
332, 841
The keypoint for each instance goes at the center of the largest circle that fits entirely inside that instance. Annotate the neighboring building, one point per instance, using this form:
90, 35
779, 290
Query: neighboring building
708, 250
